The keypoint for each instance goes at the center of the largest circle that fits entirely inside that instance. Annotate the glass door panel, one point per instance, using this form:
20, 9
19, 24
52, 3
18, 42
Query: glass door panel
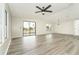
29, 28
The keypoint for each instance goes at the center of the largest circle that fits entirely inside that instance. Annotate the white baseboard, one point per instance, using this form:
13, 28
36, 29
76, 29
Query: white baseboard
16, 36
65, 33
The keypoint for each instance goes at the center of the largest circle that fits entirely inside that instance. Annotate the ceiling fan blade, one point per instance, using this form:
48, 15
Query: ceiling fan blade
37, 11
38, 8
48, 11
47, 7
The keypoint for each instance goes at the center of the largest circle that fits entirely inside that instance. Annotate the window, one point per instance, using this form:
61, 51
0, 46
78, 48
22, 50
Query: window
76, 27
5, 24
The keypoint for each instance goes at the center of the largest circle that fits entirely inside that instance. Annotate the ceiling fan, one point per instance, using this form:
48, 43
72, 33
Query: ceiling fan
43, 9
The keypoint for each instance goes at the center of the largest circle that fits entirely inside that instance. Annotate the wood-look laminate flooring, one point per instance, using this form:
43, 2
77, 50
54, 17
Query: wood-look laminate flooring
48, 44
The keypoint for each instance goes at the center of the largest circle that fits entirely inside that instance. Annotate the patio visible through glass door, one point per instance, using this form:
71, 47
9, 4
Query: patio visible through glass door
29, 28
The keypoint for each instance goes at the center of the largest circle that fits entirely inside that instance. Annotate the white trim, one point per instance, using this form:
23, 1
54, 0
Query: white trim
7, 48
67, 34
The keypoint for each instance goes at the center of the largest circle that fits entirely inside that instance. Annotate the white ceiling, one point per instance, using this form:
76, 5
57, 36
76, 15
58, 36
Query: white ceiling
27, 10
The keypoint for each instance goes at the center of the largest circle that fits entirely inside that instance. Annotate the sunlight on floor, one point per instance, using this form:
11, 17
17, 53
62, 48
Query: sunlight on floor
29, 42
49, 38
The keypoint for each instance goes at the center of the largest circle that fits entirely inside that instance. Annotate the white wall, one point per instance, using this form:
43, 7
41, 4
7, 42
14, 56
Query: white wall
5, 42
66, 27
1, 8
17, 26
66, 20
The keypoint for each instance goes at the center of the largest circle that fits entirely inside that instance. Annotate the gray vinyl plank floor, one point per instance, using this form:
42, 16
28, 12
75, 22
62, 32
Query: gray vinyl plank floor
48, 44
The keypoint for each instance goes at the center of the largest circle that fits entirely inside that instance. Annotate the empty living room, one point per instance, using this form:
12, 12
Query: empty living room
39, 28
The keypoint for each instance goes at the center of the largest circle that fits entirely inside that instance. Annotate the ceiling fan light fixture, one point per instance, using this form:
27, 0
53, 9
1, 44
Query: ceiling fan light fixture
43, 13
44, 9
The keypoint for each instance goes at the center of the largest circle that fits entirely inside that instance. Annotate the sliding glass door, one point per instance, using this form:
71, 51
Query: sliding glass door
29, 28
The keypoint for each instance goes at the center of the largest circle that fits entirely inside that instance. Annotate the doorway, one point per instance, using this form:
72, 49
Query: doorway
29, 28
